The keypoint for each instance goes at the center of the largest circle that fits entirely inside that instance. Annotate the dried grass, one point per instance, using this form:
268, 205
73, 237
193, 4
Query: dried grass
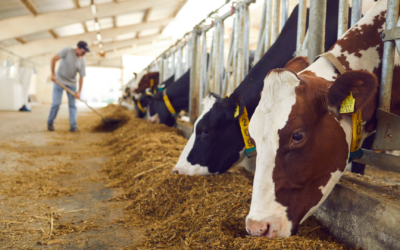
188, 212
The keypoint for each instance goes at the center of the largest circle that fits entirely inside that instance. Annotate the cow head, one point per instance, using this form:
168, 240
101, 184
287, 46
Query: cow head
222, 147
146, 82
216, 143
303, 145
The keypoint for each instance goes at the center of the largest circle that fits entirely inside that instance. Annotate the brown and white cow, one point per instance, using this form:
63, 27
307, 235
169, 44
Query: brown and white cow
149, 80
302, 140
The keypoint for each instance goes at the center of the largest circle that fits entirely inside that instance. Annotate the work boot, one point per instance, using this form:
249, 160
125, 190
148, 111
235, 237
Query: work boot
50, 127
74, 130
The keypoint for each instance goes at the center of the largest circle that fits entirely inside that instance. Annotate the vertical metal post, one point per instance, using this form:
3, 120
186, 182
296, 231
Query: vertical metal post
188, 51
194, 79
221, 56
301, 24
268, 25
173, 63
356, 11
276, 13
203, 70
388, 58
343, 19
317, 29
246, 45
166, 67
239, 32
179, 63
261, 37
215, 56
285, 12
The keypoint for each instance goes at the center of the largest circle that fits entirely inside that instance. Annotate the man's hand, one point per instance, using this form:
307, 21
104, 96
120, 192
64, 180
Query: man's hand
78, 95
53, 78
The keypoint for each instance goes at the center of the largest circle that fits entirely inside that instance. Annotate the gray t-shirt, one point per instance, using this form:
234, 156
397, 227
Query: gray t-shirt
70, 64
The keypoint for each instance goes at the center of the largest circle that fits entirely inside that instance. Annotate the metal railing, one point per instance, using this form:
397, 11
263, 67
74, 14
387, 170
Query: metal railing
211, 73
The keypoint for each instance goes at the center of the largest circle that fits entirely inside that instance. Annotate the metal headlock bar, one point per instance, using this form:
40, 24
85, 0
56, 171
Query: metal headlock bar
211, 74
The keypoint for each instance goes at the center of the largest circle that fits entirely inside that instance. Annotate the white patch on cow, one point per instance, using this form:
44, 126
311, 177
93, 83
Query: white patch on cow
183, 166
247, 163
370, 58
322, 68
154, 119
346, 124
272, 113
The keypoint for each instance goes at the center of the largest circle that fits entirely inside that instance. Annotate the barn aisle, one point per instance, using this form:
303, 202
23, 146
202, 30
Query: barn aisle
51, 190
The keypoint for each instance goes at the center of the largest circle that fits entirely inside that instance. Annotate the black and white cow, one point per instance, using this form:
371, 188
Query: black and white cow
178, 94
217, 143
146, 101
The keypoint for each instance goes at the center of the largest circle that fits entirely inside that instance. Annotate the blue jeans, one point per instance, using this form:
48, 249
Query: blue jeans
73, 112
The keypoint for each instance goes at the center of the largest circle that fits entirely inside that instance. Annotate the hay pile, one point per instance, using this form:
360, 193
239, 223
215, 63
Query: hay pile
186, 212
96, 124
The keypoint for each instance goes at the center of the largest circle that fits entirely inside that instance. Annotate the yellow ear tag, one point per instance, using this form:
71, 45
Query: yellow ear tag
236, 111
348, 104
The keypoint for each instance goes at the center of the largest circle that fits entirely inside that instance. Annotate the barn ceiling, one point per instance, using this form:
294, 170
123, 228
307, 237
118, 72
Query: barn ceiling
33, 27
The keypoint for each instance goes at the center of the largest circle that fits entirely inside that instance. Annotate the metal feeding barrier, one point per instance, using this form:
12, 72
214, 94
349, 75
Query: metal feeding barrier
212, 71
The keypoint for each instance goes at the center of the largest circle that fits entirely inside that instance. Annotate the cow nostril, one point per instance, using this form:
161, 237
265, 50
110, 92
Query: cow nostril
175, 171
265, 233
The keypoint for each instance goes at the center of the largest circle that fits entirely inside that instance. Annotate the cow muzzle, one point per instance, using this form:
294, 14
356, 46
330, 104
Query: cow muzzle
260, 229
270, 227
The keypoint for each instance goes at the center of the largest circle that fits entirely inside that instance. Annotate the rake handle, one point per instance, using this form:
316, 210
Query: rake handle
73, 94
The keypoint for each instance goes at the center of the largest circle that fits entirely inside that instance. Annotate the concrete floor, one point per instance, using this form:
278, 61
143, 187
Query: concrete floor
24, 146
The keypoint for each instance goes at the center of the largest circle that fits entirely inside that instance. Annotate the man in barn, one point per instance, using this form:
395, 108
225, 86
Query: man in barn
72, 62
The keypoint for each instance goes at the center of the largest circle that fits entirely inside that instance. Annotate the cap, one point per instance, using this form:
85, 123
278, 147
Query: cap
83, 45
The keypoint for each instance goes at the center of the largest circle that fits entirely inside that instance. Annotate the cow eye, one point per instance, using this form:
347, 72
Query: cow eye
204, 132
298, 136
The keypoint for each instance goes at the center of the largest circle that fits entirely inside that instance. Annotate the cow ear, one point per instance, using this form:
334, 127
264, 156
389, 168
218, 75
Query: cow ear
298, 64
237, 103
362, 84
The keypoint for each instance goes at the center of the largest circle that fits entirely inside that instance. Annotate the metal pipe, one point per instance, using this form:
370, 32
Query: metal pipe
388, 58
268, 25
203, 69
221, 57
188, 50
194, 79
229, 65
173, 63
215, 56
276, 13
285, 12
356, 11
305, 42
301, 24
382, 161
228, 13
261, 37
343, 19
317, 29
239, 61
179, 62
246, 20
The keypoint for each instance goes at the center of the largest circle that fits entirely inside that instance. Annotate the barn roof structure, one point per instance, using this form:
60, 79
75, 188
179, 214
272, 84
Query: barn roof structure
112, 28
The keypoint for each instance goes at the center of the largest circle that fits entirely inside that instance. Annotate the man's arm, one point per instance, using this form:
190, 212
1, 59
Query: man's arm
53, 66
78, 93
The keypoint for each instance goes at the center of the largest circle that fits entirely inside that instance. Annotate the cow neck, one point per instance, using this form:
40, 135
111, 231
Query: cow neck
348, 107
168, 103
244, 128
140, 106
